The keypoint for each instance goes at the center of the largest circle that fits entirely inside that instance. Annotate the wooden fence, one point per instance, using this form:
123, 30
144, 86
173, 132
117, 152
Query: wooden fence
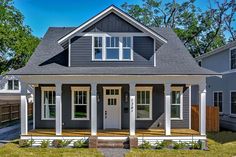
10, 111
212, 118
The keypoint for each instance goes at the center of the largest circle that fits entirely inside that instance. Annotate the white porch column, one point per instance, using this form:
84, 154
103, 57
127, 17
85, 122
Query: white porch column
94, 109
132, 93
202, 108
190, 105
58, 109
24, 109
167, 109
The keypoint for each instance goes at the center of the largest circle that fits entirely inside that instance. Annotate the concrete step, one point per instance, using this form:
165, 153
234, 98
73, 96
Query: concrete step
112, 144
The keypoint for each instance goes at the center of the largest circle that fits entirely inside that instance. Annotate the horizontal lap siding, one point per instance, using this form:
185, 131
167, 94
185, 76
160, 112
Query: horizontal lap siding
81, 53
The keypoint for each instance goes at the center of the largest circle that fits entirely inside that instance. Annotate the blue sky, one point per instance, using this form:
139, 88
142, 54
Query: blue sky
41, 14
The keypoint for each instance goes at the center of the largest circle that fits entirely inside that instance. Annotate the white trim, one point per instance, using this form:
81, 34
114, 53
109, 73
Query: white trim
190, 106
181, 102
105, 97
69, 53
34, 107
104, 48
42, 105
230, 107
218, 91
155, 54
144, 88
120, 14
80, 88
230, 51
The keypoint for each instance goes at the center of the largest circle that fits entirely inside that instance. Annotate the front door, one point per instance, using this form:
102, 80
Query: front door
112, 108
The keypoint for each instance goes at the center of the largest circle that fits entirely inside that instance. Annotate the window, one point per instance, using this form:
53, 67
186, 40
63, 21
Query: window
114, 49
80, 103
233, 58
48, 103
98, 48
13, 85
176, 103
218, 100
233, 102
127, 48
144, 103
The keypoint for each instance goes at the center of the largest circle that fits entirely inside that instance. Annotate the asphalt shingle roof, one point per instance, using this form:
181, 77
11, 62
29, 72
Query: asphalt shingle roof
172, 59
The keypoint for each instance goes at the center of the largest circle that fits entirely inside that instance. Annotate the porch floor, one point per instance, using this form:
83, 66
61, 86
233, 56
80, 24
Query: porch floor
110, 133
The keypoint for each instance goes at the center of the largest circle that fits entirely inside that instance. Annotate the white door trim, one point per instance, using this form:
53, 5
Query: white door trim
104, 97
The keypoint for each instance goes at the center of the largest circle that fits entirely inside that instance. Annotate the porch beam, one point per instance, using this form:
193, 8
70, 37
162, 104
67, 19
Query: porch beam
58, 109
132, 93
24, 109
167, 109
202, 108
94, 109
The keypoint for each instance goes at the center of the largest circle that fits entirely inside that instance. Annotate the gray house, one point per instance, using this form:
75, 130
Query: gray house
222, 91
112, 78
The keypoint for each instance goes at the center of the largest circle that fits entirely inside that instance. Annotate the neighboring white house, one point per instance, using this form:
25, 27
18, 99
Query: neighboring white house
10, 88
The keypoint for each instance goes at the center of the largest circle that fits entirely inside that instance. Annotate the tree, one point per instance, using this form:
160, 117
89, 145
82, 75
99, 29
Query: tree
16, 40
200, 31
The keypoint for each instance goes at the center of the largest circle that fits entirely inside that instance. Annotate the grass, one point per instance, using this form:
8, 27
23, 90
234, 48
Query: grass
222, 144
12, 150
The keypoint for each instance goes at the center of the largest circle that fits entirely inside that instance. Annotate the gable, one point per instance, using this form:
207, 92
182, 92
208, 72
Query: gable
112, 23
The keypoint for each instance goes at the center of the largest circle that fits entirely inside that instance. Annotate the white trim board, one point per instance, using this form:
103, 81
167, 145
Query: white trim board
120, 14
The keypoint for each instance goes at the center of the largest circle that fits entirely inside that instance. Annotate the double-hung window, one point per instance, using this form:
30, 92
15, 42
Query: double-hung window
126, 48
80, 103
218, 100
13, 85
112, 48
98, 48
233, 58
177, 103
48, 103
144, 103
233, 102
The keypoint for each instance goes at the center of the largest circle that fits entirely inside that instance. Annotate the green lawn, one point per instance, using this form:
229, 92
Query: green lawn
221, 144
12, 150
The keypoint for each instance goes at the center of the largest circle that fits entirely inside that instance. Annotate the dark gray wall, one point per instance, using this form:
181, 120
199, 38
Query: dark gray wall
112, 23
81, 53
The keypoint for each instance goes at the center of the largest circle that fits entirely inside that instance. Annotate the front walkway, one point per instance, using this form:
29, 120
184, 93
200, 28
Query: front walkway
113, 152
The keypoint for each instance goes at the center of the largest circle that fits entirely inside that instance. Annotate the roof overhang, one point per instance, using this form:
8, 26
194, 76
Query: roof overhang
121, 14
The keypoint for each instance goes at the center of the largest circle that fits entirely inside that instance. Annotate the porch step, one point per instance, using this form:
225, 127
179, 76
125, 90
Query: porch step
112, 143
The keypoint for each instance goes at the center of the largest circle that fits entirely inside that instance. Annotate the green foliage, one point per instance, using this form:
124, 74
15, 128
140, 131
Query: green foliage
45, 144
195, 145
16, 40
146, 145
61, 143
80, 144
26, 143
180, 145
166, 144
200, 30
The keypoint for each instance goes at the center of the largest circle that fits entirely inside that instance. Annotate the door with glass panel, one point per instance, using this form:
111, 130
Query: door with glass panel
112, 108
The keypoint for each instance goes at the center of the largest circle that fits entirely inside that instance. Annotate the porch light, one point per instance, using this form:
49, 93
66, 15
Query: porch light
126, 97
98, 97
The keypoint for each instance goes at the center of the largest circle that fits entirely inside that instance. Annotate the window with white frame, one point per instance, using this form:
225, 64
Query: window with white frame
233, 102
13, 84
218, 99
112, 48
48, 103
126, 48
115, 48
98, 48
177, 103
144, 103
80, 103
233, 58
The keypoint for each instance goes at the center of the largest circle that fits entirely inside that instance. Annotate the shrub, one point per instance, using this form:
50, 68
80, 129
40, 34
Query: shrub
60, 143
195, 145
179, 145
80, 144
166, 144
45, 144
158, 145
26, 143
146, 145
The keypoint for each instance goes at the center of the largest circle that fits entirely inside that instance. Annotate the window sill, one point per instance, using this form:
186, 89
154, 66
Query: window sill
233, 115
176, 119
48, 119
80, 119
143, 119
112, 60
